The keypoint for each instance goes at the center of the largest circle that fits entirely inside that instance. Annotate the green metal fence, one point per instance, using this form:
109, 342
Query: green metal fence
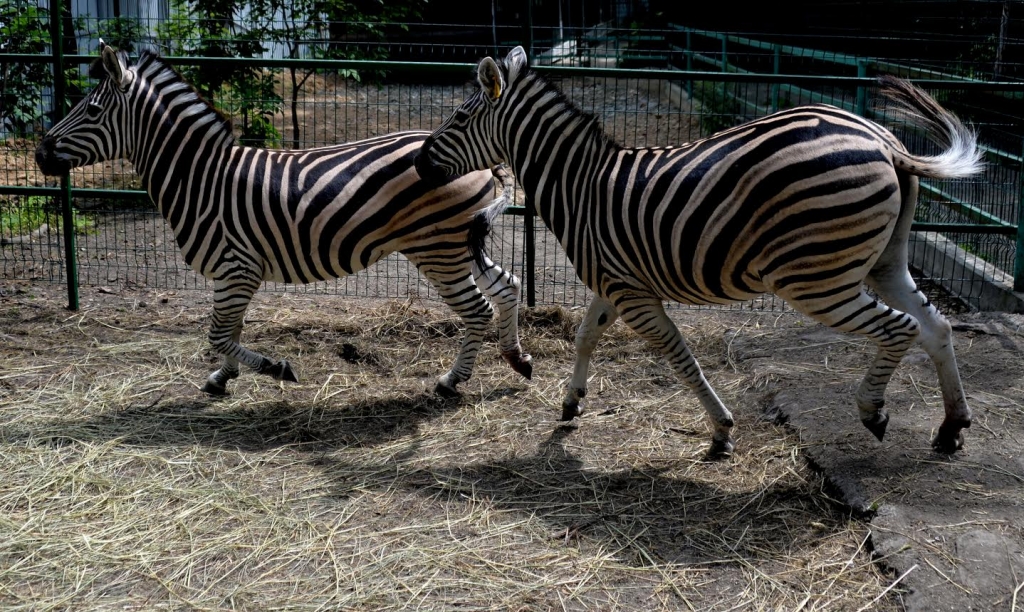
96, 229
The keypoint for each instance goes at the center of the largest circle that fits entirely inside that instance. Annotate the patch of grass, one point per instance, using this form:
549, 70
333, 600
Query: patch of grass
23, 216
974, 249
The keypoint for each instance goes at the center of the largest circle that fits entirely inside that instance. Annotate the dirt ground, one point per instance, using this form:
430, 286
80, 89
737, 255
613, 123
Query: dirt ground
952, 525
128, 487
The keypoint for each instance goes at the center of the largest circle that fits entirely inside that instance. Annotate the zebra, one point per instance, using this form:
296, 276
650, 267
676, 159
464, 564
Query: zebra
813, 204
243, 215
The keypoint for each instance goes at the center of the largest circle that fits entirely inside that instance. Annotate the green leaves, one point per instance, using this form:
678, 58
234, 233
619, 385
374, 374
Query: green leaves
24, 28
228, 28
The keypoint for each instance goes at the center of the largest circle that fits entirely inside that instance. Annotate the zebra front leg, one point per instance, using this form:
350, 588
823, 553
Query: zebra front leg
503, 289
646, 316
231, 298
216, 383
600, 315
454, 283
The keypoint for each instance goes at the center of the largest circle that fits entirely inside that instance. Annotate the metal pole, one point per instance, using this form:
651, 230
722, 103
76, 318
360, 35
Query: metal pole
529, 244
494, 25
776, 64
862, 92
529, 30
689, 63
68, 216
1018, 261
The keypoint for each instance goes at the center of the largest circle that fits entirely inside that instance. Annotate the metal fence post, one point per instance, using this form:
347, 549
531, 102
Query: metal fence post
689, 63
862, 92
1018, 260
67, 215
529, 245
776, 64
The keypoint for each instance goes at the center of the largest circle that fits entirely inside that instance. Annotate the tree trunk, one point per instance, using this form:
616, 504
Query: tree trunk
296, 137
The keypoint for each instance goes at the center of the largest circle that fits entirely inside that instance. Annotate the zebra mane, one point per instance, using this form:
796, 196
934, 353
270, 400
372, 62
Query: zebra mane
157, 69
575, 113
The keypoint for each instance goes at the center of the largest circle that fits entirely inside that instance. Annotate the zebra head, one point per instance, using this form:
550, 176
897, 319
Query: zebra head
470, 139
94, 129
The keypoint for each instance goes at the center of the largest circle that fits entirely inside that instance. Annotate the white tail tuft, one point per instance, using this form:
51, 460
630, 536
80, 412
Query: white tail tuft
962, 157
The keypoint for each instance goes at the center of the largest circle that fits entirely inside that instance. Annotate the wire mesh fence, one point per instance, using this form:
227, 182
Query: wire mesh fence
122, 241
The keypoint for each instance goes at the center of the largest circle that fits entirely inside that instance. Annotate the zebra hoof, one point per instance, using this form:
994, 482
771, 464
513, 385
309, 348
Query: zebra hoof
720, 449
282, 370
522, 363
570, 411
949, 439
877, 424
444, 391
213, 388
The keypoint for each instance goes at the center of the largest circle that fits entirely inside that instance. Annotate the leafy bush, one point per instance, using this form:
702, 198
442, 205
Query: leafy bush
23, 29
20, 216
719, 109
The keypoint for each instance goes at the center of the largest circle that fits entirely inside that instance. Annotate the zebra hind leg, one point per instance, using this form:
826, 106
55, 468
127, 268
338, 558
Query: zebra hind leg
600, 316
455, 285
647, 317
231, 298
503, 288
892, 331
899, 290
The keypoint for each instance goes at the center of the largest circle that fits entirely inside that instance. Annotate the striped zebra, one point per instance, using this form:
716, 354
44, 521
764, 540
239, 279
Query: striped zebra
811, 204
244, 215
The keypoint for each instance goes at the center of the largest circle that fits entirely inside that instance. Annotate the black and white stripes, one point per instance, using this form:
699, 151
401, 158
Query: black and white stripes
811, 203
244, 215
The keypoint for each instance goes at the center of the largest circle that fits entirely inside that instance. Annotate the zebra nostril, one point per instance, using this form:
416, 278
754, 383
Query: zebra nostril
47, 160
44, 150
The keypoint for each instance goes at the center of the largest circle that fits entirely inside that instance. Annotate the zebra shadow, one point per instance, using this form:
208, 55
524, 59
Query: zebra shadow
645, 516
305, 425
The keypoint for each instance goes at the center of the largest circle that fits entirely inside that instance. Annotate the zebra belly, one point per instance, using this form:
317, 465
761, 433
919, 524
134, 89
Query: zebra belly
680, 290
674, 276
695, 297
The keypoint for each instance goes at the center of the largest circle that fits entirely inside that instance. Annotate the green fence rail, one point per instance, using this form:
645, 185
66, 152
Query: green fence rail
638, 107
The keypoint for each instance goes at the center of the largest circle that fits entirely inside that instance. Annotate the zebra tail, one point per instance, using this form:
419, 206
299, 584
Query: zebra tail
961, 157
484, 220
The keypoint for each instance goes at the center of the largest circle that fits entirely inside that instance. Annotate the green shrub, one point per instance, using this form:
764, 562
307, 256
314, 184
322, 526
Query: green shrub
22, 216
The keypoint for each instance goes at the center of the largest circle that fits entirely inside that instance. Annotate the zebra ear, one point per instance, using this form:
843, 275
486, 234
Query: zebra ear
116, 65
515, 62
489, 76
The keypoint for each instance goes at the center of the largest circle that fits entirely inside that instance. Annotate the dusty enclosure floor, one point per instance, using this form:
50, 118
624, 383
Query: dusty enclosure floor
126, 487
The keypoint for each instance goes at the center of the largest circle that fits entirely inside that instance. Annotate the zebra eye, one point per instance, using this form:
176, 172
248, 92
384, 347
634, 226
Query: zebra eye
93, 110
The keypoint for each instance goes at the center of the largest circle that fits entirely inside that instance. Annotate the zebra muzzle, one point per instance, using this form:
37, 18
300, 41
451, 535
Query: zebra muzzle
47, 159
425, 167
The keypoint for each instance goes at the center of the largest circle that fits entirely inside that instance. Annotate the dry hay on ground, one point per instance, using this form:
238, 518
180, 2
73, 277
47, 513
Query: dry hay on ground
126, 487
